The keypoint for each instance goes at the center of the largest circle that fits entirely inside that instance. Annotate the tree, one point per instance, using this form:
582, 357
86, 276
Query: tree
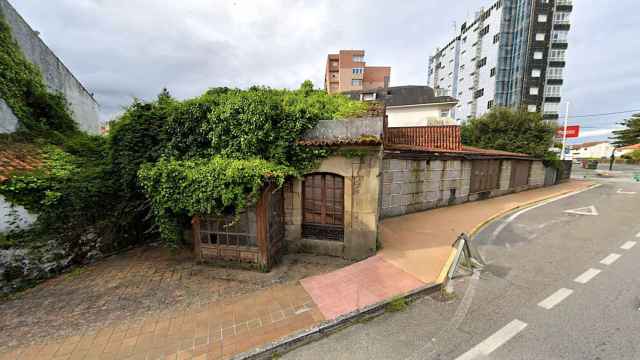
510, 130
630, 135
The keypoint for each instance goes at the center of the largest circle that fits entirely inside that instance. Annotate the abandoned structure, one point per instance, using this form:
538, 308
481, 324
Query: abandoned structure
376, 172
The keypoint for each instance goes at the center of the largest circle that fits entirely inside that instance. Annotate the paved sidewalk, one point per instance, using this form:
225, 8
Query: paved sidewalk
420, 243
416, 249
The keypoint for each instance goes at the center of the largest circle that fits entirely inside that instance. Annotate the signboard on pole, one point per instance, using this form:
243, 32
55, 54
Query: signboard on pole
573, 131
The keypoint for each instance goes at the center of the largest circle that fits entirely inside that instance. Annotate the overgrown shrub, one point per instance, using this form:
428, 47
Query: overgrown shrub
510, 130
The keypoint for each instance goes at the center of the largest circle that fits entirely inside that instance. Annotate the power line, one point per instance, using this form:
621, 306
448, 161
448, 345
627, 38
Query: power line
603, 114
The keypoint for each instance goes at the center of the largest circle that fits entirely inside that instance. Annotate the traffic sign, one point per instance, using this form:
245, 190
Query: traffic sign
573, 131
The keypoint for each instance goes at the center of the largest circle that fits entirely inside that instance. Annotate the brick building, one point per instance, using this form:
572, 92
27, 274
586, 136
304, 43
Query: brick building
347, 71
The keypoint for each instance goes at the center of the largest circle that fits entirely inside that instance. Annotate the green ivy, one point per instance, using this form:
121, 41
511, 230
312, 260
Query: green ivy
41, 114
198, 187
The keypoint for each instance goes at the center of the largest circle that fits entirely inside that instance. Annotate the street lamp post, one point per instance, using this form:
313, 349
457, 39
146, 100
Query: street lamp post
564, 133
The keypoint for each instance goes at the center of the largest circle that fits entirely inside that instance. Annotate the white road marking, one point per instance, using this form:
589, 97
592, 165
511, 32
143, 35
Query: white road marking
610, 259
587, 276
545, 202
588, 210
555, 299
494, 341
628, 245
620, 191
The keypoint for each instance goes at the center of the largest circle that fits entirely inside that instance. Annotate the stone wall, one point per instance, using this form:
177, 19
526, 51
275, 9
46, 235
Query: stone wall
417, 185
55, 74
411, 185
10, 214
361, 199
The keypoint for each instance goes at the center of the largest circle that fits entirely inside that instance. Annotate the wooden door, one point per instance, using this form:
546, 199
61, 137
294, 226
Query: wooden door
485, 175
323, 207
520, 173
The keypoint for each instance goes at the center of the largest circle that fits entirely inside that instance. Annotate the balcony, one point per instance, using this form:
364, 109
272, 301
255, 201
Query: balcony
564, 2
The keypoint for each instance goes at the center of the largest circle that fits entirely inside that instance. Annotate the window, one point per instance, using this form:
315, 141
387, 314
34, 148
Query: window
358, 58
368, 97
490, 104
444, 113
538, 55
493, 72
542, 18
534, 90
496, 38
554, 73
561, 17
559, 36
461, 79
482, 62
535, 73
334, 64
484, 31
357, 82
552, 91
551, 108
357, 71
540, 36
532, 108
461, 68
478, 93
556, 55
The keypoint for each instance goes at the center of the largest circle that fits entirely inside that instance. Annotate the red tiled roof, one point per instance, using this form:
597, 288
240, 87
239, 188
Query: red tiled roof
444, 137
465, 150
18, 157
631, 147
363, 141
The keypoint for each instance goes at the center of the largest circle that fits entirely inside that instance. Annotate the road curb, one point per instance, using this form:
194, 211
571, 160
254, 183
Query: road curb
330, 327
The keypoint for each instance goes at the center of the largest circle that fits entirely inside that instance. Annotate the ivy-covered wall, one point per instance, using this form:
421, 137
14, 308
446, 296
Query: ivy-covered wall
56, 76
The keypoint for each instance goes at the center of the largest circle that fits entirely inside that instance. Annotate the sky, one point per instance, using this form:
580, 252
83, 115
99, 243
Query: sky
126, 49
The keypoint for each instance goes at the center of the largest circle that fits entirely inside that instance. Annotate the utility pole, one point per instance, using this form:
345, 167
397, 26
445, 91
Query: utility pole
613, 159
564, 133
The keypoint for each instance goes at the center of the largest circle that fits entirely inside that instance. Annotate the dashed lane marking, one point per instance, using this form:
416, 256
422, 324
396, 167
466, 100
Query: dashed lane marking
628, 245
587, 276
494, 341
610, 259
555, 299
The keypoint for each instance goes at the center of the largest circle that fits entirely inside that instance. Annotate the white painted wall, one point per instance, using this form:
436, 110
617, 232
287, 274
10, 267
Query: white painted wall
603, 150
24, 217
417, 115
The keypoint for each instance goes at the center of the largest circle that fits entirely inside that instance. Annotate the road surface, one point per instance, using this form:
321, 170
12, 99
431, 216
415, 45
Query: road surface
558, 285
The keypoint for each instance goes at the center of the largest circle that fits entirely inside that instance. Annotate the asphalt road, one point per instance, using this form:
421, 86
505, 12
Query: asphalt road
526, 303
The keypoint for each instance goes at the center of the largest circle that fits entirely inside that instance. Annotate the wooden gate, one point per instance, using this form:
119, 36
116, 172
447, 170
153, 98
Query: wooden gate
520, 173
485, 175
323, 207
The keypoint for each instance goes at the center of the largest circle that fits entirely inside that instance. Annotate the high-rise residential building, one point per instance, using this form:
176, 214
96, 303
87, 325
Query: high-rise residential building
511, 54
347, 71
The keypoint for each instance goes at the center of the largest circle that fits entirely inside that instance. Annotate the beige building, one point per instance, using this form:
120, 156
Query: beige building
347, 71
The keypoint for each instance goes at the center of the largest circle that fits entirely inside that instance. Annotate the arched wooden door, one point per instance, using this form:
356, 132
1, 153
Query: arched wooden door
323, 207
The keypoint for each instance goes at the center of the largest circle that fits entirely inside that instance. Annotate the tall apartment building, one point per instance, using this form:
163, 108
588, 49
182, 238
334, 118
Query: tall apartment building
511, 54
347, 71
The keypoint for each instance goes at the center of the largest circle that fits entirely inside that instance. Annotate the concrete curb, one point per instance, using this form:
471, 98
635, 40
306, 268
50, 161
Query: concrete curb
330, 327
327, 328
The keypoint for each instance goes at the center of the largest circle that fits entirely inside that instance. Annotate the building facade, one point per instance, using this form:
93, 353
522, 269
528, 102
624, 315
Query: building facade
57, 77
410, 105
512, 54
347, 71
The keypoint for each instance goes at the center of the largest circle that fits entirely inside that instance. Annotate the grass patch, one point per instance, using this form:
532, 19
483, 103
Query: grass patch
75, 273
397, 304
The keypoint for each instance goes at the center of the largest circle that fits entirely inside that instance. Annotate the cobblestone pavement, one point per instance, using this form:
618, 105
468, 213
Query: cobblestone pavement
152, 289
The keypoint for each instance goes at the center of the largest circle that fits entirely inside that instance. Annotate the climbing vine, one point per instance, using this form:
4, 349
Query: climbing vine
40, 113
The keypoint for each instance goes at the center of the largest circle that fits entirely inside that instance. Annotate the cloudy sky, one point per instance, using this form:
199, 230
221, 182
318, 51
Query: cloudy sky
121, 49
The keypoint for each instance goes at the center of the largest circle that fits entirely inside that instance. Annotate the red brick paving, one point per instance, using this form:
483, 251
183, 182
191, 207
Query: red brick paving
357, 286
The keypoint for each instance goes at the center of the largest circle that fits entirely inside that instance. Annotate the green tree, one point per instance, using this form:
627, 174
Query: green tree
630, 135
510, 130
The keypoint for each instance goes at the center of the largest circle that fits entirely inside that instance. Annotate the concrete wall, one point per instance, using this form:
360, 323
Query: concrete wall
361, 199
536, 175
55, 74
331, 130
8, 121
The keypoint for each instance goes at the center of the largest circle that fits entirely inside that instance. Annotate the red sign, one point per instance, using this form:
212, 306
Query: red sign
573, 131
